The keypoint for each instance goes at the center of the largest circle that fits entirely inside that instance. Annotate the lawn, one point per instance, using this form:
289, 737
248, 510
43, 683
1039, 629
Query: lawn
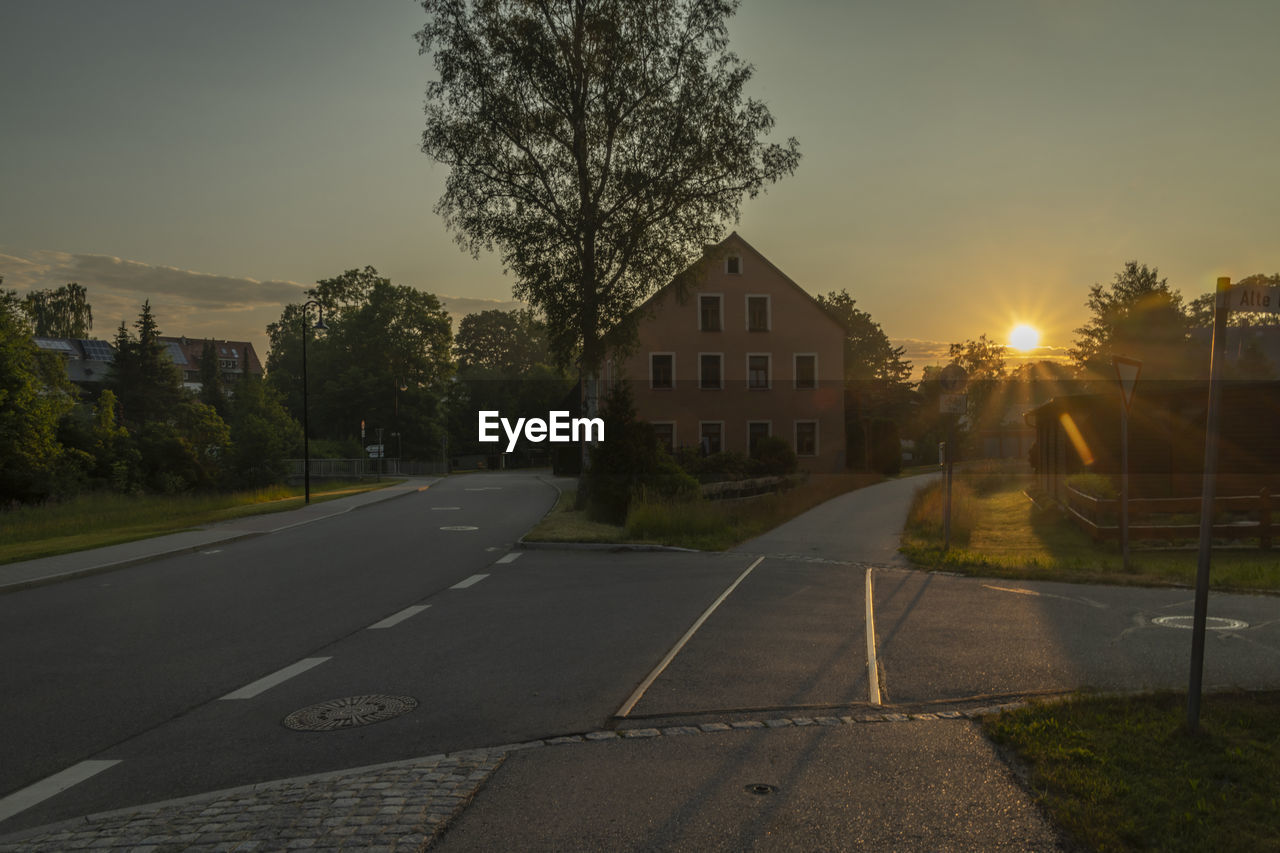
700, 524
1122, 773
97, 520
998, 531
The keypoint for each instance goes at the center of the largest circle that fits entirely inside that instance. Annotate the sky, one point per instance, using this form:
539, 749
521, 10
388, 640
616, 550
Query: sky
966, 166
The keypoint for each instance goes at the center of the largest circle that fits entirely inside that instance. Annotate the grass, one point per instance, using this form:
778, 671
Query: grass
704, 525
998, 531
1122, 773
97, 520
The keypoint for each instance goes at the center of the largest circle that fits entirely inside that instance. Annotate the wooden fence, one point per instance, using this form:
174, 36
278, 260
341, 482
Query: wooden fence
1154, 518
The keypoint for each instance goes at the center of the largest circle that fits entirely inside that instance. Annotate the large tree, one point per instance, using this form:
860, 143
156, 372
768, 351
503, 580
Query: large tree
61, 313
597, 145
385, 360
1138, 316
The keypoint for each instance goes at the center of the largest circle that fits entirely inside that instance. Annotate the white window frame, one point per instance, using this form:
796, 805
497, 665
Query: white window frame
768, 423
795, 371
768, 371
817, 438
701, 385
674, 440
701, 424
729, 258
718, 296
672, 387
768, 311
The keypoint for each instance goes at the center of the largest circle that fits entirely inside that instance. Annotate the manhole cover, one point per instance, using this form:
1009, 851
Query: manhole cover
1212, 623
459, 527
349, 712
760, 788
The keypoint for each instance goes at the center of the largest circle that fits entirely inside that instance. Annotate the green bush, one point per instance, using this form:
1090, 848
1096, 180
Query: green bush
772, 457
1097, 485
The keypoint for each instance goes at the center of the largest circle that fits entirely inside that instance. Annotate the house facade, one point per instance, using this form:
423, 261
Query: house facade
236, 359
747, 353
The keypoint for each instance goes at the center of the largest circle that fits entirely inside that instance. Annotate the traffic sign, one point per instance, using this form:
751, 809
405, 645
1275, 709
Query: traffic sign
375, 448
953, 378
1254, 297
1127, 370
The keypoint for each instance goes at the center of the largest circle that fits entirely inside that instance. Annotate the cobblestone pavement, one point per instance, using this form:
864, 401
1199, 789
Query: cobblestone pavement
387, 807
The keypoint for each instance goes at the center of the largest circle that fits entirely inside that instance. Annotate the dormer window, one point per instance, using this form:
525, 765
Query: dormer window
733, 265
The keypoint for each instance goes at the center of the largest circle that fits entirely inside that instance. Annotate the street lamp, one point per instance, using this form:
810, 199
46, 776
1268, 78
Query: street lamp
306, 427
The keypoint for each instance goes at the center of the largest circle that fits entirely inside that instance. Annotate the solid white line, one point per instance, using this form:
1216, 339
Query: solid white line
397, 618
873, 673
675, 650
510, 558
44, 789
471, 581
267, 682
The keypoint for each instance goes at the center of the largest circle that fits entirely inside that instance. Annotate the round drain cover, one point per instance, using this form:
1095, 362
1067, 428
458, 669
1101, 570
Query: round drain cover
1211, 623
349, 712
760, 788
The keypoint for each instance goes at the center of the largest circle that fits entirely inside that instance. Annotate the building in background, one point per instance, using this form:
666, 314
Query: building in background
747, 353
236, 359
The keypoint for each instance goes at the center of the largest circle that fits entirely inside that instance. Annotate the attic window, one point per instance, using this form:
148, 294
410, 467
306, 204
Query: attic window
733, 265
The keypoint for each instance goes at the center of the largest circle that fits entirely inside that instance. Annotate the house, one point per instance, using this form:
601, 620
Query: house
1081, 433
235, 359
746, 353
88, 361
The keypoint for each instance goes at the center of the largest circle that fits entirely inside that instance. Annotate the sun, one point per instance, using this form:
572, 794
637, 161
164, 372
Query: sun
1024, 338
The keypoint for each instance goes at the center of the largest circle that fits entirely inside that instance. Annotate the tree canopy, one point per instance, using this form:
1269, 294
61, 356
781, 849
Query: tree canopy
597, 145
1138, 316
64, 312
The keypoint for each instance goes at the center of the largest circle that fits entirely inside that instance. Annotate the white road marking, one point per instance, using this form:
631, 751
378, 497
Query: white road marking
1081, 600
471, 581
443, 508
510, 558
459, 527
873, 672
675, 650
214, 551
485, 489
267, 682
397, 618
35, 794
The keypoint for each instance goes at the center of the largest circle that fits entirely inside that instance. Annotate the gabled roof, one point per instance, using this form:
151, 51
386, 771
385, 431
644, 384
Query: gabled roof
719, 249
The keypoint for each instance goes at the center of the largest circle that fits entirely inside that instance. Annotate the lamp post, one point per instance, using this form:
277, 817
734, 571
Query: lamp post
306, 427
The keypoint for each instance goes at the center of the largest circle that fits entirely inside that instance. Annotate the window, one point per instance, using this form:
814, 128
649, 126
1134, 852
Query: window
665, 432
757, 313
662, 370
758, 371
710, 435
733, 265
710, 375
806, 370
757, 430
710, 313
806, 438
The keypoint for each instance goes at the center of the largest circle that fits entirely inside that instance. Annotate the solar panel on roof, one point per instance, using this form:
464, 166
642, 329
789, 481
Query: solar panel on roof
55, 345
175, 353
98, 350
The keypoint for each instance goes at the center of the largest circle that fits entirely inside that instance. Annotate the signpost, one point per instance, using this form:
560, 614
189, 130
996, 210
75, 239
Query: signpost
952, 379
1251, 297
1127, 370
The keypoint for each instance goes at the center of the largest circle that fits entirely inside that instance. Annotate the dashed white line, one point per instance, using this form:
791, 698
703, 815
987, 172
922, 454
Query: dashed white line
44, 789
444, 508
397, 618
510, 558
675, 650
267, 682
873, 672
214, 551
471, 581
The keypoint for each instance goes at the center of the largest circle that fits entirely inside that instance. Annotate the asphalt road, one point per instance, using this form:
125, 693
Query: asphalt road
504, 646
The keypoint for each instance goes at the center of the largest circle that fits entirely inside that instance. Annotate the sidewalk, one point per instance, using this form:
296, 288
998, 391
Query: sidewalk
876, 780
30, 573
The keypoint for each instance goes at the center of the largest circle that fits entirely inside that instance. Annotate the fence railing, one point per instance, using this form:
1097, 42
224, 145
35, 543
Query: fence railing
1149, 518
361, 468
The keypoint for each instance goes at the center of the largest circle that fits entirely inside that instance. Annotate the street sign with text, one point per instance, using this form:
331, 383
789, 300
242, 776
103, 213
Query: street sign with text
1254, 297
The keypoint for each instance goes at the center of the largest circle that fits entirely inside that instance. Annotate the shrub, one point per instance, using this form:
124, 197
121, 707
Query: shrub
1097, 485
772, 457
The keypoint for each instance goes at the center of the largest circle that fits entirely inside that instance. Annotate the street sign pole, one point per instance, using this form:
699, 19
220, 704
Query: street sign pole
951, 380
1127, 371
946, 502
1221, 307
